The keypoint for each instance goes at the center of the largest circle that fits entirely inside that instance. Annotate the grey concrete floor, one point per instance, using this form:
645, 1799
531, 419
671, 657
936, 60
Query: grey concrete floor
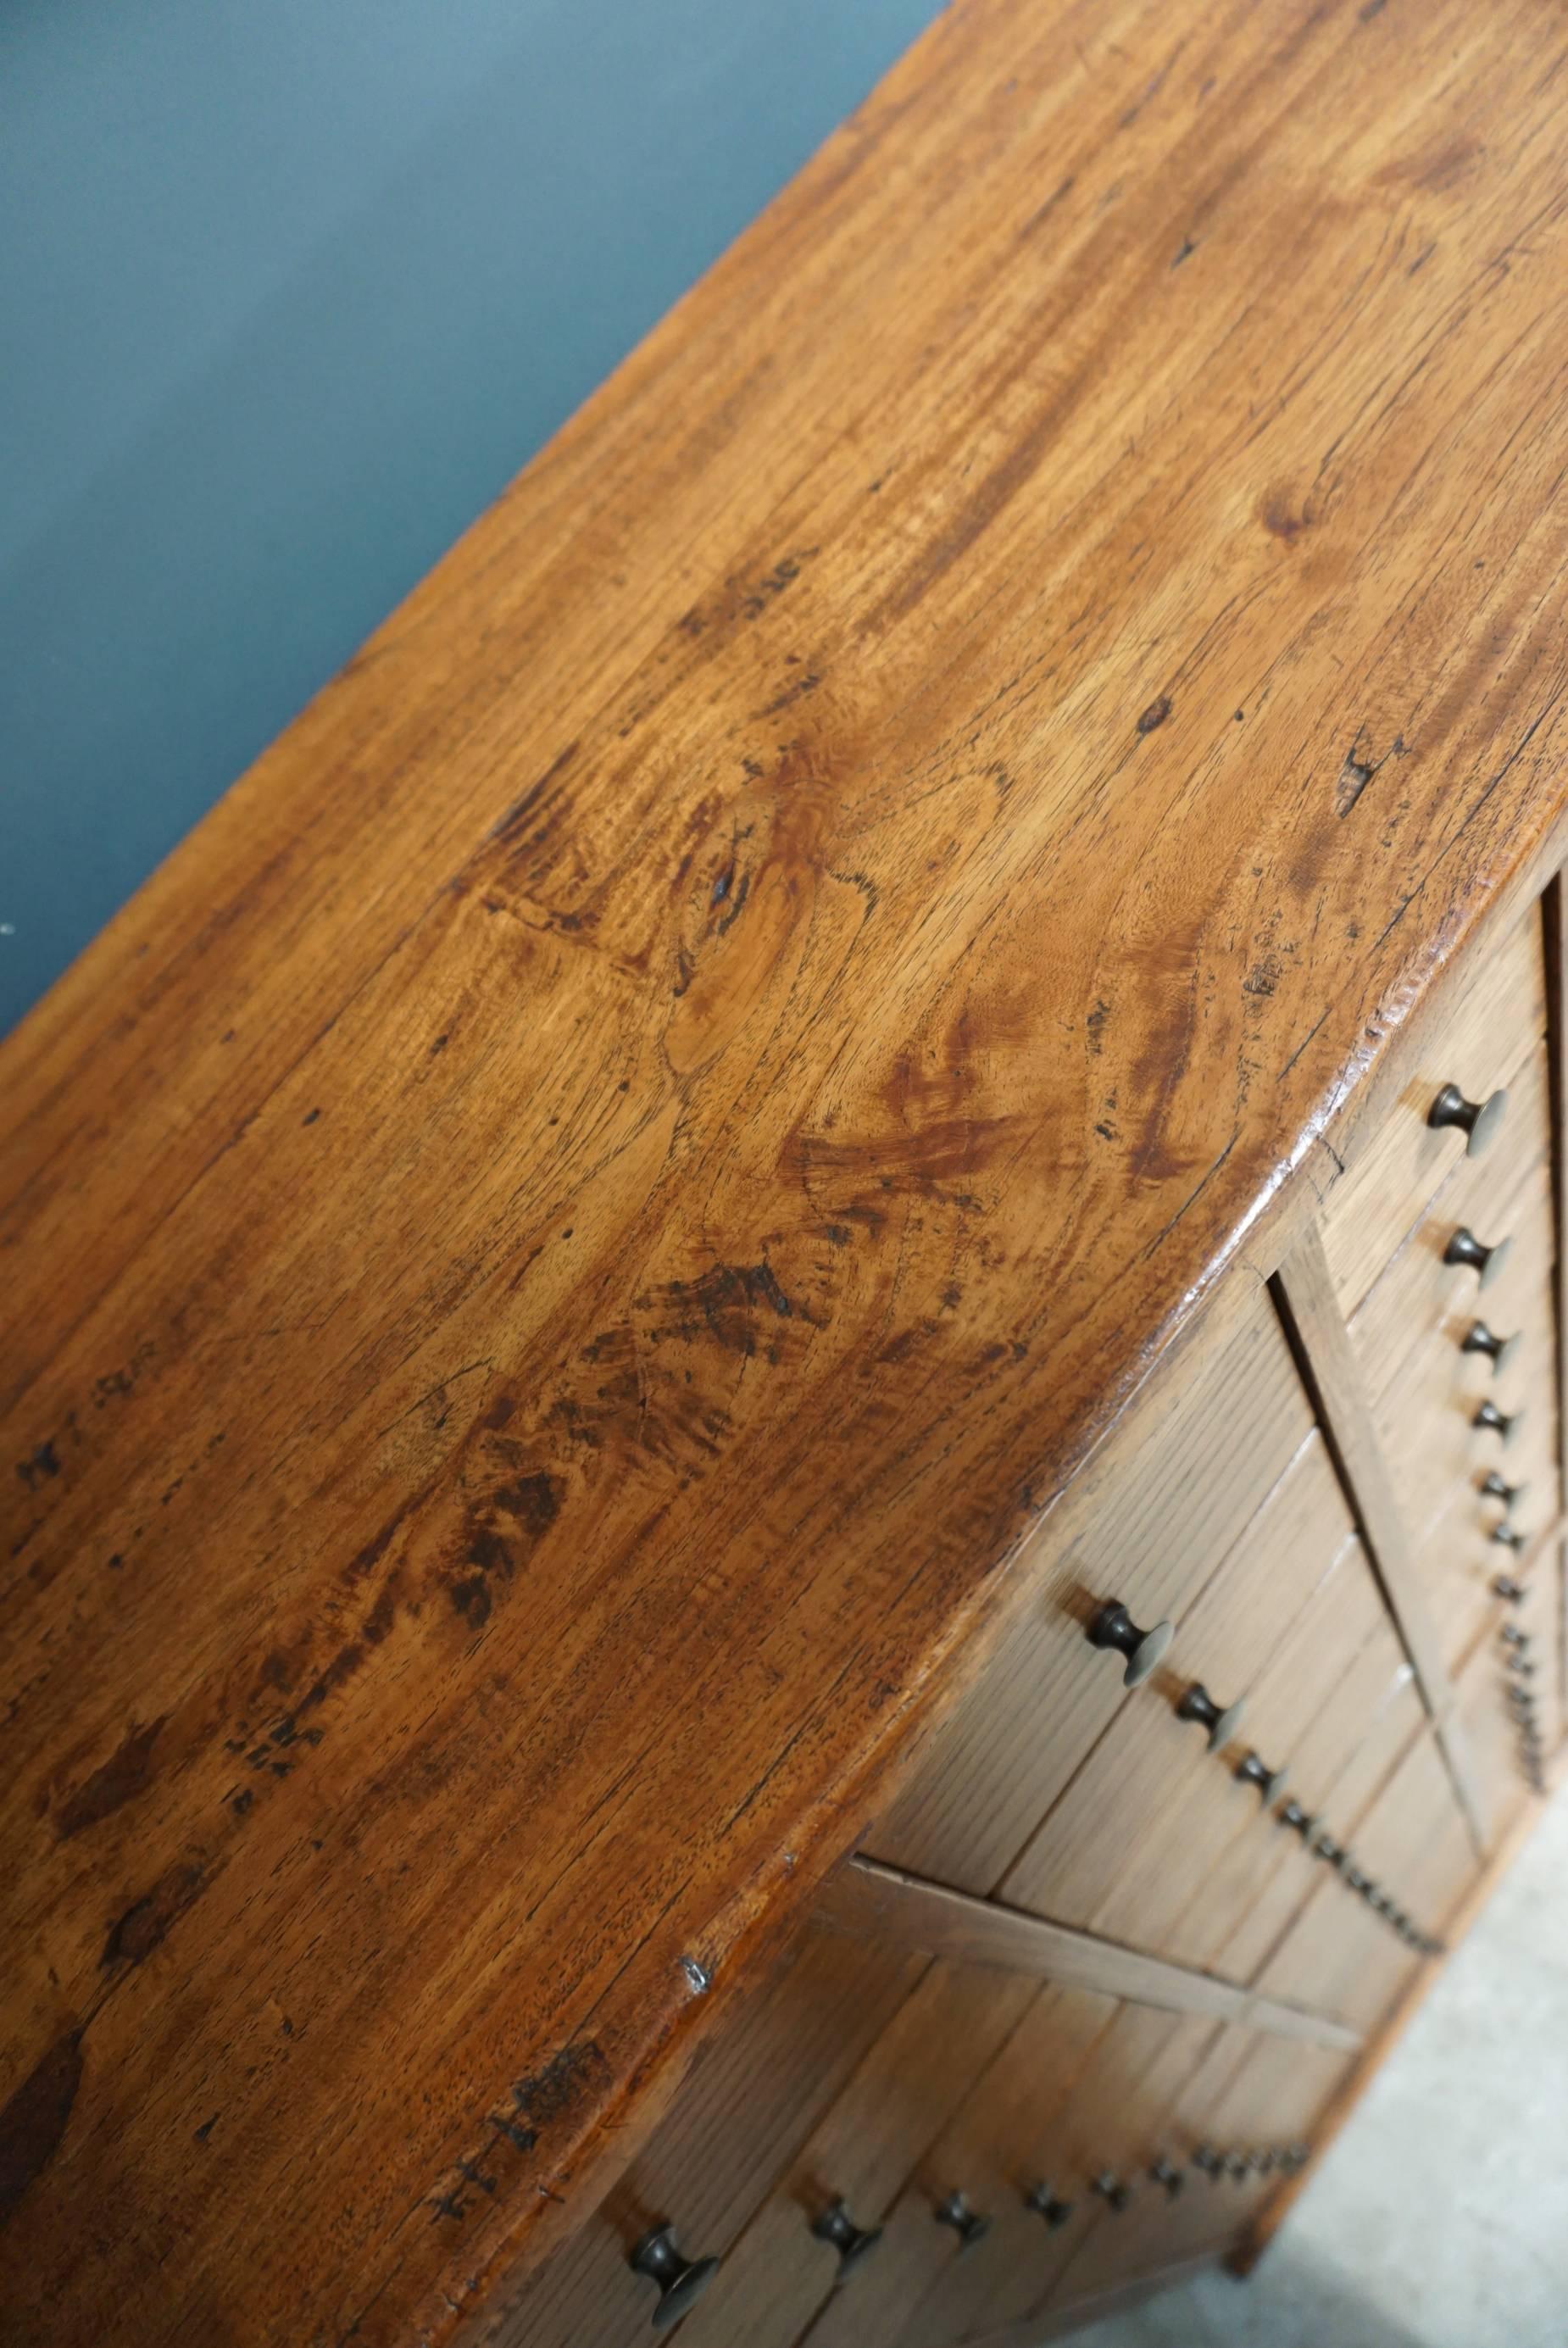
1439, 2219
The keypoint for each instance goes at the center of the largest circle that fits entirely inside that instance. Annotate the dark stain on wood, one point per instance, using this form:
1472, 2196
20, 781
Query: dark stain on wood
119, 1779
1158, 711
35, 2117
147, 1921
39, 1467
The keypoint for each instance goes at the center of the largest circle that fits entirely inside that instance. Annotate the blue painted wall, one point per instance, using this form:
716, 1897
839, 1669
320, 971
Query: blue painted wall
289, 292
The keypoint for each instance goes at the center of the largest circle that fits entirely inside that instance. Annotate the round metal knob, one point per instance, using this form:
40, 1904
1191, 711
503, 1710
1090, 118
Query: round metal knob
1500, 1351
1476, 1120
1358, 1881
968, 2224
1199, 1704
1464, 1248
681, 2281
852, 2243
1325, 1848
1114, 1627
1520, 1666
1295, 2155
1165, 2172
1211, 2163
1508, 1536
1113, 2190
1300, 1821
1236, 2166
1494, 1488
1505, 1424
1270, 1782
1512, 1636
1048, 2205
1503, 1585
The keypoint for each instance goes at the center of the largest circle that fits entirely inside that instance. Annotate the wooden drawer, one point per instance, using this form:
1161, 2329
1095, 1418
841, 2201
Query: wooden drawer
1000, 2146
1426, 1397
753, 2092
1342, 1755
1480, 1043
1459, 1560
1134, 1847
885, 2122
1486, 1196
1162, 1504
1341, 1958
1250, 2096
1493, 1728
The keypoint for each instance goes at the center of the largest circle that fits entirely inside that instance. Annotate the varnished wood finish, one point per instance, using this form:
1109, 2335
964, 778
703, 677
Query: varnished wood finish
878, 1903
561, 1253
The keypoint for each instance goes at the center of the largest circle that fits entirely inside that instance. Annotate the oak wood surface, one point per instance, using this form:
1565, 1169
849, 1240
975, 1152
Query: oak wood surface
557, 1251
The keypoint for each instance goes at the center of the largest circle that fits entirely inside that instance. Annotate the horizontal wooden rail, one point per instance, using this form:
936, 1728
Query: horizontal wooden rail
880, 1902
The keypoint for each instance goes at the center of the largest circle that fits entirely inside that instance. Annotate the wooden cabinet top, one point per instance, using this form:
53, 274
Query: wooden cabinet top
555, 1251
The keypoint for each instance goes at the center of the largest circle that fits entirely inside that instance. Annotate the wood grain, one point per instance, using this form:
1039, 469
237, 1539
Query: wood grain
561, 1248
1306, 1298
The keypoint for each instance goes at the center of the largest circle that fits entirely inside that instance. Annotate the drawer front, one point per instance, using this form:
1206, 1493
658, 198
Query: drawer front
1100, 2120
1248, 2102
1165, 1501
1479, 1045
1426, 1396
1355, 1733
1133, 1849
1510, 1697
753, 2092
1480, 1199
1464, 1567
1339, 1957
883, 2123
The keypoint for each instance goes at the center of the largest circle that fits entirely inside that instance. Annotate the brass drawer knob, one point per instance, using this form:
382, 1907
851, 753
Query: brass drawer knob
1199, 1704
681, 2281
1493, 1487
968, 2224
1114, 1627
1112, 2190
1464, 1248
1165, 2172
852, 2243
1270, 1782
1476, 1120
1509, 1537
1047, 2204
1500, 1351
